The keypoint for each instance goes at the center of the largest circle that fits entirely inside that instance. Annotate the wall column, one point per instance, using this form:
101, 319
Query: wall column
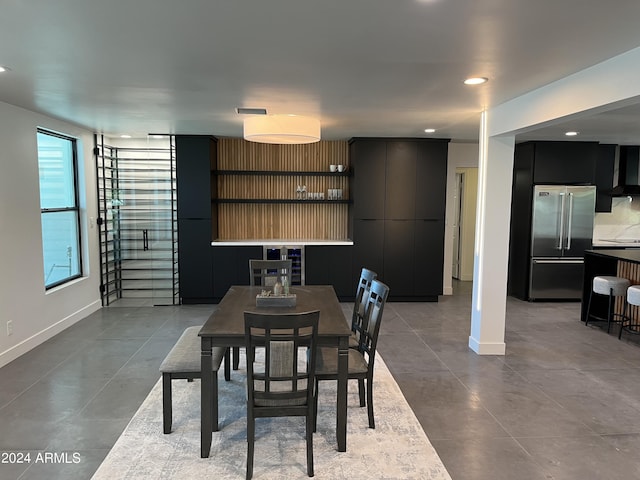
491, 253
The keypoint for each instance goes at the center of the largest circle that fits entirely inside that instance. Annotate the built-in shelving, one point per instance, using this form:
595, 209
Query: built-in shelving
256, 190
288, 173
276, 200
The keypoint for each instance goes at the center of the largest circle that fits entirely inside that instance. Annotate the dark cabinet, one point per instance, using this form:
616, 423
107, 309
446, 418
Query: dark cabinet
194, 260
398, 228
368, 165
429, 255
399, 259
565, 162
195, 156
230, 266
431, 184
604, 176
195, 159
368, 239
400, 190
330, 265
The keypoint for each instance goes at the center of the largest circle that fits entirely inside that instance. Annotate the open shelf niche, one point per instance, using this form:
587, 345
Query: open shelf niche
254, 190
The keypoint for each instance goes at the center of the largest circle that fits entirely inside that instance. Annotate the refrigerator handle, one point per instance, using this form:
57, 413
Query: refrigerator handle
561, 235
569, 221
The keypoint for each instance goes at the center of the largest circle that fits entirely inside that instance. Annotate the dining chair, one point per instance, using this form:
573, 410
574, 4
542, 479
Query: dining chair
280, 384
264, 273
267, 272
361, 360
362, 295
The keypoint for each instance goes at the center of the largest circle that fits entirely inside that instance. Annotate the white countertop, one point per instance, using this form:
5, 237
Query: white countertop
268, 242
616, 242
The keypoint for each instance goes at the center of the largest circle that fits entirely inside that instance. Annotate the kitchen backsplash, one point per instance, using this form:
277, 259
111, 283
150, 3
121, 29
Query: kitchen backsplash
622, 223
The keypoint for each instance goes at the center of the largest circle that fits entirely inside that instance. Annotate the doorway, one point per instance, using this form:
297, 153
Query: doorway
457, 225
137, 222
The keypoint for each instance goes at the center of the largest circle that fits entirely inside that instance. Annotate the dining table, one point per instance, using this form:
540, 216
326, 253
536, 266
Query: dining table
225, 328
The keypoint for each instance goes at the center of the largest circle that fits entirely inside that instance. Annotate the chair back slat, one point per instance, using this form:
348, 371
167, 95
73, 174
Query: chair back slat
372, 318
362, 295
267, 272
289, 342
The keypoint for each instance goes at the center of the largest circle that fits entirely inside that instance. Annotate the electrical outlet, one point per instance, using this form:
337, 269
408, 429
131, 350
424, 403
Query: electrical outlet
9, 327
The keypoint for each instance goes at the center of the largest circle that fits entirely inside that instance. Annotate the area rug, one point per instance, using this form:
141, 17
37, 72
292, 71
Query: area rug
396, 449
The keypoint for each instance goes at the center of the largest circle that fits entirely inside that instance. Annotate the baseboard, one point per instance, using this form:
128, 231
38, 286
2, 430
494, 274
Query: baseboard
30, 343
497, 348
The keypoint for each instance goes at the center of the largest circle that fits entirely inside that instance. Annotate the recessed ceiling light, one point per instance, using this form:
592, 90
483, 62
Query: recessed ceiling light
429, 130
3, 69
124, 135
476, 80
571, 134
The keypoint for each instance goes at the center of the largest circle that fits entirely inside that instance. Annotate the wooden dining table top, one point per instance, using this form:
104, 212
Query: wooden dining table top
226, 323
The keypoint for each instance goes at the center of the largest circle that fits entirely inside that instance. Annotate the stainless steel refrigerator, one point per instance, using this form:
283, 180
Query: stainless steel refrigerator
562, 231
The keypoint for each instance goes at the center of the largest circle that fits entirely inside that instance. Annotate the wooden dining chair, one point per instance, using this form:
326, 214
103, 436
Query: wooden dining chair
281, 384
267, 272
362, 295
361, 360
264, 273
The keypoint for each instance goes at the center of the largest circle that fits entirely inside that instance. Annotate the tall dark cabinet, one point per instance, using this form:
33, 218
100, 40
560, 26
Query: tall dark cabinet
196, 157
399, 188
542, 163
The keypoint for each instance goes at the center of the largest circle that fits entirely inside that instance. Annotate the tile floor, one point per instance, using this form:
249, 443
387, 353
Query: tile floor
563, 403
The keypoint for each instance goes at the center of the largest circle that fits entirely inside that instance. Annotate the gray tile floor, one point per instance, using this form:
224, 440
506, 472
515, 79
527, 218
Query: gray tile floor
564, 403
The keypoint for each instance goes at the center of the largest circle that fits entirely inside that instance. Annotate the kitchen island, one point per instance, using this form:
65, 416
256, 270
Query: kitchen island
615, 262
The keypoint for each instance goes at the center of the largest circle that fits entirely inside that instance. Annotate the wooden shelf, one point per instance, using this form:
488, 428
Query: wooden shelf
275, 200
288, 173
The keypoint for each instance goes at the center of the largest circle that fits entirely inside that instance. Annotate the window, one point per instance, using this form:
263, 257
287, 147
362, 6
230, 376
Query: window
60, 214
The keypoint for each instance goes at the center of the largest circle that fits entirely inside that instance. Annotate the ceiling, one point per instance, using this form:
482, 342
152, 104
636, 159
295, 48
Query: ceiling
363, 67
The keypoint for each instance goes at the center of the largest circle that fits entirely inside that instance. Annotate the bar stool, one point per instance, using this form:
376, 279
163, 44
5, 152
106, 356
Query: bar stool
612, 287
633, 298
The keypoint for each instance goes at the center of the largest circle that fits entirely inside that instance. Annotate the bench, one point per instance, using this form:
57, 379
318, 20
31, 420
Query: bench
183, 362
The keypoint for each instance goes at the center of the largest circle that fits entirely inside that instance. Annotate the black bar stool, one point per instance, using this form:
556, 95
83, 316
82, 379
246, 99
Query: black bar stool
612, 287
633, 298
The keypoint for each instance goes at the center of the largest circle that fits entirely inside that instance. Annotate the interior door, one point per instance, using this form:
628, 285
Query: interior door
457, 215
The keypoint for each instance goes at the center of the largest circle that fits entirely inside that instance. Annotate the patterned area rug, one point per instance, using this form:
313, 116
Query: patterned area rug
396, 449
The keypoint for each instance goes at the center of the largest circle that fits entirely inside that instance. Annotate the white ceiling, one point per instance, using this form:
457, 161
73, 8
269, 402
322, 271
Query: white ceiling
364, 67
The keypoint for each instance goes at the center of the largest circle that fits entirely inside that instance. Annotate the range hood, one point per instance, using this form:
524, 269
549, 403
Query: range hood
628, 163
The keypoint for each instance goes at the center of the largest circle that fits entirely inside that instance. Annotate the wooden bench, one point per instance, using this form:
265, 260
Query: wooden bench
183, 362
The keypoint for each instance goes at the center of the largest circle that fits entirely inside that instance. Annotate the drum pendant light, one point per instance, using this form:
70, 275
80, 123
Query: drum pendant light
281, 129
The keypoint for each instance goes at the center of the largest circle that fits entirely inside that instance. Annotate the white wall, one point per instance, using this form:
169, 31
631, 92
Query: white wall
38, 315
461, 155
